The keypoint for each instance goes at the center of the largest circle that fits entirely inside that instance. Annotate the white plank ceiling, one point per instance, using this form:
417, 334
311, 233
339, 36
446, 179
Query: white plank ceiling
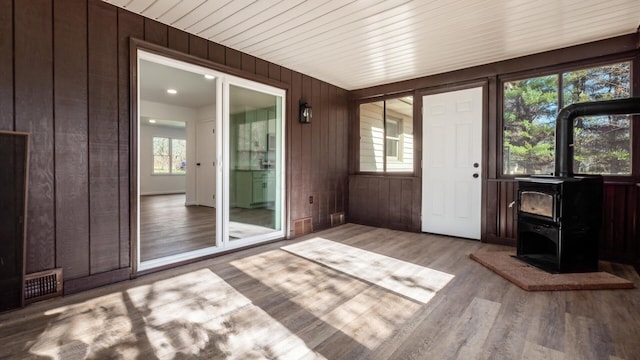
361, 43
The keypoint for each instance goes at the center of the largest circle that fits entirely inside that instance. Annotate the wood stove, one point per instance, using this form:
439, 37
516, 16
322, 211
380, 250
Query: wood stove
559, 221
560, 217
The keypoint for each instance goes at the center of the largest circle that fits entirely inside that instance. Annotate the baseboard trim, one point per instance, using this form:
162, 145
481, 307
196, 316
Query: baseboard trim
93, 281
175, 192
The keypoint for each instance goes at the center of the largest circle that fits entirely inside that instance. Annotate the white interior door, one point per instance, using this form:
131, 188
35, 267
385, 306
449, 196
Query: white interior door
206, 163
452, 155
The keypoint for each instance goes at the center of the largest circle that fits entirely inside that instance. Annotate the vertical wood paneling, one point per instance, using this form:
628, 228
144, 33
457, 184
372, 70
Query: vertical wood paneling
325, 157
217, 53
71, 152
316, 151
34, 114
416, 209
233, 58
407, 204
491, 224
296, 184
492, 128
306, 150
178, 40
386, 201
129, 25
198, 46
103, 137
619, 241
72, 61
274, 72
248, 63
6, 65
155, 32
383, 201
262, 69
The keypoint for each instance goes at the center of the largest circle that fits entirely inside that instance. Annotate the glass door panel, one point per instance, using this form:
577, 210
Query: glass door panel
255, 164
177, 147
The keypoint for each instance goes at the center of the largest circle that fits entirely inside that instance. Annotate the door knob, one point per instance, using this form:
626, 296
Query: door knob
475, 165
475, 175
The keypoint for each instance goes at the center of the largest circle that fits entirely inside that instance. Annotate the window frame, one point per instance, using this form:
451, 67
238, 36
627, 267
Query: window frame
397, 138
559, 70
170, 155
356, 131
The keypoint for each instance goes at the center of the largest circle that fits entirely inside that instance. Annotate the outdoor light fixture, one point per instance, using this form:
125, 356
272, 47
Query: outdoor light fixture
305, 113
172, 91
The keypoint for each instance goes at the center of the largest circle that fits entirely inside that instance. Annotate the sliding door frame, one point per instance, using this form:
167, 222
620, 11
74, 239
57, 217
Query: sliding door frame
224, 75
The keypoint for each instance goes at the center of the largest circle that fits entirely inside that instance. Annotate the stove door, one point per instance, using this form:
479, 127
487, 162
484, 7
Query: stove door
537, 203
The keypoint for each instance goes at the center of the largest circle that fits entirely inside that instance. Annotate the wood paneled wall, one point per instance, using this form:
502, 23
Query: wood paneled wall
621, 239
64, 78
389, 202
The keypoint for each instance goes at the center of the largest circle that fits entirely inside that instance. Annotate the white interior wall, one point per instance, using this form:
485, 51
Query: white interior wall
190, 116
164, 184
151, 184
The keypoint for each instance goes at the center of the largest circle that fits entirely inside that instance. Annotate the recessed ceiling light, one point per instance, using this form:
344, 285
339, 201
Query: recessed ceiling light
152, 121
172, 91
209, 77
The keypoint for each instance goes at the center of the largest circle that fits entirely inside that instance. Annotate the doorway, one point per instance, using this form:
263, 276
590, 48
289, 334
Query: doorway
452, 163
209, 141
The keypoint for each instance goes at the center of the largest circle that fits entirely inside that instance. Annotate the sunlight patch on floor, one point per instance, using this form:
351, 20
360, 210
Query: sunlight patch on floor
339, 302
196, 314
413, 281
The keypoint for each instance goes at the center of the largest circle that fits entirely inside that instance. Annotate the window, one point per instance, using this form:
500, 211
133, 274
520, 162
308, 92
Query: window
386, 135
169, 155
393, 138
530, 107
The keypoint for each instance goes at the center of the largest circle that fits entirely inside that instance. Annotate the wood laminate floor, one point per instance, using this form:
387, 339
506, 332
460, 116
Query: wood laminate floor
168, 227
350, 292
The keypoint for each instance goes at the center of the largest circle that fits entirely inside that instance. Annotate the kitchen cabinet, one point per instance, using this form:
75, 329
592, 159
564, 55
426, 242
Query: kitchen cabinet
255, 188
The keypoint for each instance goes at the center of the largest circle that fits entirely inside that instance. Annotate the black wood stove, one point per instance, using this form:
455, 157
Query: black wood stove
560, 217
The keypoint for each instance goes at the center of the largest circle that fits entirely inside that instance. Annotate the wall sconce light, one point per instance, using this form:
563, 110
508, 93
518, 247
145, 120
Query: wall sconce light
305, 113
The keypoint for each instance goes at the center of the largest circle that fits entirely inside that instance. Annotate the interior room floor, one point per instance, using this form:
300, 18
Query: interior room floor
350, 292
168, 227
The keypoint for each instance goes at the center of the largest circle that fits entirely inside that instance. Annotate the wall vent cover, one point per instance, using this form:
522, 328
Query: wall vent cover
302, 226
337, 219
42, 285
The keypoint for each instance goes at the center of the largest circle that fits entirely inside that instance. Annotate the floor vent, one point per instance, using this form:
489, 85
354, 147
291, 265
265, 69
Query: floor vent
42, 285
337, 219
302, 226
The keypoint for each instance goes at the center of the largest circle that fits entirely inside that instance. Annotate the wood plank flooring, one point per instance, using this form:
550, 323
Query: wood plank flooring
168, 227
267, 303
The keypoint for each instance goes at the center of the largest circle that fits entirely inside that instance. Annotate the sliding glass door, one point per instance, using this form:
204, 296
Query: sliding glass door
210, 157
256, 166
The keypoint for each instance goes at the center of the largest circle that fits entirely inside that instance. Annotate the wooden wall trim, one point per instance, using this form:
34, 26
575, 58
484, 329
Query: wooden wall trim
73, 286
6, 65
71, 137
33, 94
137, 43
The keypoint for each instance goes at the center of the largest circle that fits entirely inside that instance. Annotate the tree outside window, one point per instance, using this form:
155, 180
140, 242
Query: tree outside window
602, 143
169, 155
530, 107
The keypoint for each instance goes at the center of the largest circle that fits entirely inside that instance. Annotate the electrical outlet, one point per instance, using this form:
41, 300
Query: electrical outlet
310, 199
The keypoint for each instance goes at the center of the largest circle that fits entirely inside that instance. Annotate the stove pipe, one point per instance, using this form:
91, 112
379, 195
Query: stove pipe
564, 126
